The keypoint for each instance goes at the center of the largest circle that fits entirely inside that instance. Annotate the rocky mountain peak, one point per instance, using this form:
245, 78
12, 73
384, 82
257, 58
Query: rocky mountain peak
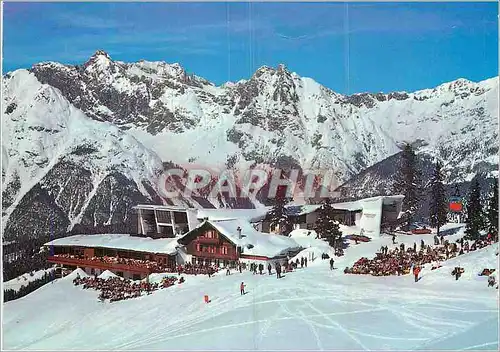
99, 60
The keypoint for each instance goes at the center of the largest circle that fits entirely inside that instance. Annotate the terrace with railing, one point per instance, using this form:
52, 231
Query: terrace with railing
110, 263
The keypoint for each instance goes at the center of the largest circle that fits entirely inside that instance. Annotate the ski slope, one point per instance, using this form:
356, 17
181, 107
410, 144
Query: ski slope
309, 309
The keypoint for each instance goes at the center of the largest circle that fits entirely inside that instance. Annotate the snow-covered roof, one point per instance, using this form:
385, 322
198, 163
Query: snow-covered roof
253, 242
120, 241
358, 204
298, 210
161, 207
251, 215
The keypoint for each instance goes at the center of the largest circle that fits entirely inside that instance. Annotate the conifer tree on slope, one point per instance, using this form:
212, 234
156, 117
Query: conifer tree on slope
408, 183
326, 226
492, 212
278, 215
438, 206
475, 220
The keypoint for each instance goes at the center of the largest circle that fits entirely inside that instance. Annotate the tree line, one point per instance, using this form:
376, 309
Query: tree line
480, 215
10, 294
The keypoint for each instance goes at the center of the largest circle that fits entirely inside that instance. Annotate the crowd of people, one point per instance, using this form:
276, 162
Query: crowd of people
400, 260
117, 288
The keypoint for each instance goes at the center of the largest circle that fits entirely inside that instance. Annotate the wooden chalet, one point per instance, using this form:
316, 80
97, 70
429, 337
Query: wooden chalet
225, 243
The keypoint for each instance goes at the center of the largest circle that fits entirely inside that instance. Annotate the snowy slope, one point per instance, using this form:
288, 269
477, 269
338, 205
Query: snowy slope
54, 151
312, 308
24, 280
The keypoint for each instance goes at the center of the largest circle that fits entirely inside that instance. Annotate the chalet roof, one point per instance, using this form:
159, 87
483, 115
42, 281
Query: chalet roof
120, 241
253, 242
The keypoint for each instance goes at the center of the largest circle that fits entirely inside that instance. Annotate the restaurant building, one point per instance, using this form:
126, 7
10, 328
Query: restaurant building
128, 256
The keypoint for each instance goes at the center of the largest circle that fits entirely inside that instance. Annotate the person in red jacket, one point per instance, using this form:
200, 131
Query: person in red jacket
242, 288
416, 271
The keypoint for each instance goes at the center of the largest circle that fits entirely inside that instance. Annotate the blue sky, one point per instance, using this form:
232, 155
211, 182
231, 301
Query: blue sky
349, 48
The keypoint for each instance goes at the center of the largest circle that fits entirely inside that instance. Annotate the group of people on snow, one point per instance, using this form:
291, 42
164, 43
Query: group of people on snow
114, 288
117, 288
401, 259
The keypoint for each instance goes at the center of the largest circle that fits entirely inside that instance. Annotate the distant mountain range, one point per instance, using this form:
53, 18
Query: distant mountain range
82, 144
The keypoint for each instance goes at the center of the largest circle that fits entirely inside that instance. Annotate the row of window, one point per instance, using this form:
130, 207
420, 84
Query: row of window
211, 234
211, 249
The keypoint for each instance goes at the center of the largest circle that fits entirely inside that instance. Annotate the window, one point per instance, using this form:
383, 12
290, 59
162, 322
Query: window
180, 218
167, 230
223, 250
163, 216
119, 273
136, 277
92, 271
197, 247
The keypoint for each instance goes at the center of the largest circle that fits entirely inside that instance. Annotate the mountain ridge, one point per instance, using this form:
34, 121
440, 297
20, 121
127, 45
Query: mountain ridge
146, 113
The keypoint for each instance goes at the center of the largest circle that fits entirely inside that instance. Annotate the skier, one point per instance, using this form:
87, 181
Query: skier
393, 239
261, 268
269, 268
331, 263
491, 281
422, 244
415, 247
416, 271
305, 262
228, 272
302, 262
242, 288
278, 270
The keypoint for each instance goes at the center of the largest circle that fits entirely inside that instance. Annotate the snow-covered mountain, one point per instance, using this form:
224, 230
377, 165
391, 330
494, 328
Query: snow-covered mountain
86, 142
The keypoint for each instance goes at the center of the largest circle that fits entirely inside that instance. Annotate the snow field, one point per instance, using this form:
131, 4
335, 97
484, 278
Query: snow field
309, 309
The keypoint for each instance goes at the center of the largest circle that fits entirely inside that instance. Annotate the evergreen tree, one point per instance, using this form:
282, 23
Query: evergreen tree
475, 221
492, 212
438, 206
335, 234
326, 226
408, 183
278, 215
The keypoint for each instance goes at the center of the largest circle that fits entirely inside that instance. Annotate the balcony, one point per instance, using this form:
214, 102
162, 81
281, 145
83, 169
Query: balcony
215, 255
97, 264
208, 240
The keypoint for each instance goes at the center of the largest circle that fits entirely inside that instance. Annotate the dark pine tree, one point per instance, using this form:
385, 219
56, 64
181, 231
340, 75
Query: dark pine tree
323, 222
438, 207
278, 215
326, 226
475, 220
407, 183
492, 212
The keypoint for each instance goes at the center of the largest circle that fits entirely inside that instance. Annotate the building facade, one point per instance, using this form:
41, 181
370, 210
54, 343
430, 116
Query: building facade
161, 221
